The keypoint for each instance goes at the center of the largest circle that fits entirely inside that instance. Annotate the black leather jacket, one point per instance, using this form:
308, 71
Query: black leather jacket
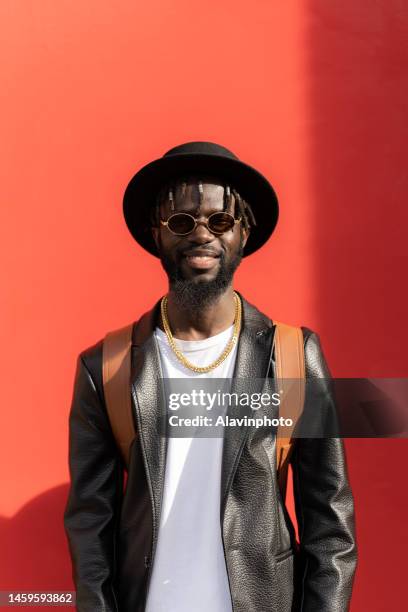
112, 528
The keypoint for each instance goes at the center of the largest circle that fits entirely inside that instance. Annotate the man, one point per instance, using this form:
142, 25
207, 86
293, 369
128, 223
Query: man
201, 524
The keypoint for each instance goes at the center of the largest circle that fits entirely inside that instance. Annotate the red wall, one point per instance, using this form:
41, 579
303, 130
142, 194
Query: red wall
313, 94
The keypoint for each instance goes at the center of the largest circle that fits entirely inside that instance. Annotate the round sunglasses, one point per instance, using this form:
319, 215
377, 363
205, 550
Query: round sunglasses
217, 223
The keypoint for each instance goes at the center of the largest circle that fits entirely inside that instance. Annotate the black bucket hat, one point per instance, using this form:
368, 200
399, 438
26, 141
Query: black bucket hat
205, 158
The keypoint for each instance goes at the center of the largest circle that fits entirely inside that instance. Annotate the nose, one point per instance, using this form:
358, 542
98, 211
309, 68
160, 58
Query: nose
201, 234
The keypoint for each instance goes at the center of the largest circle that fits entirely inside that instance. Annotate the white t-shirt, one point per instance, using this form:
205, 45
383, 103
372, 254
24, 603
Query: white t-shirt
189, 571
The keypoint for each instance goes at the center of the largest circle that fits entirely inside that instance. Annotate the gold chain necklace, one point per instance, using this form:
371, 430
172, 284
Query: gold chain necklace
224, 354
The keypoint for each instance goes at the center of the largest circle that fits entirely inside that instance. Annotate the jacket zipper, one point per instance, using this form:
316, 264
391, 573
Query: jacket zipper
148, 561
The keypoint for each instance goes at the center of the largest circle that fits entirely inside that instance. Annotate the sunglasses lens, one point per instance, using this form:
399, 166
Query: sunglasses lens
221, 222
181, 224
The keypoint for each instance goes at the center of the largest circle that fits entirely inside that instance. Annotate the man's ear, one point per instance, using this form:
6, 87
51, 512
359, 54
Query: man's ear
245, 236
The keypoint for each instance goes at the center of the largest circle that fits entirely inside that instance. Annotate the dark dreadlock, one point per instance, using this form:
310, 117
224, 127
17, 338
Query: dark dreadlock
168, 191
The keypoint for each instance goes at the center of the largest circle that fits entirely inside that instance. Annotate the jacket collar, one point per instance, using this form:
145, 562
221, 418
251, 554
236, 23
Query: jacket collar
254, 352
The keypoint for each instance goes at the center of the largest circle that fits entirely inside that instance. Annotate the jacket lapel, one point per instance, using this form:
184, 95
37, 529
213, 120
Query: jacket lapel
254, 351
149, 403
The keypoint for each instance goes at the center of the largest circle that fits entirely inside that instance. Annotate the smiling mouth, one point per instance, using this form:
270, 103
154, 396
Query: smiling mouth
201, 261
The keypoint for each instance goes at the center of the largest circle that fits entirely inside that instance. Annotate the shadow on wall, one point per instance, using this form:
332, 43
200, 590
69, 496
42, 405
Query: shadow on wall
34, 549
357, 54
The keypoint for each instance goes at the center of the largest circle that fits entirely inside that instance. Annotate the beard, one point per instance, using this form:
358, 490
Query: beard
195, 294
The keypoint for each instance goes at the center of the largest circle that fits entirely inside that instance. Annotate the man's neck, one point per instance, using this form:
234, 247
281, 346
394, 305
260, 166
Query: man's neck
212, 319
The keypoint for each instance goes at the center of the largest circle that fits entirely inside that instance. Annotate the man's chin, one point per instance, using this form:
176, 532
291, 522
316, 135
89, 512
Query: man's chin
199, 290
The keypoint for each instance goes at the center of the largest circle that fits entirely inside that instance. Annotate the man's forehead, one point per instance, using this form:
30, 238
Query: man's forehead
209, 190
185, 191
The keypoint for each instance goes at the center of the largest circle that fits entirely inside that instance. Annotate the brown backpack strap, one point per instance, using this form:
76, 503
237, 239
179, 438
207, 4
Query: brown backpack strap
290, 372
116, 366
